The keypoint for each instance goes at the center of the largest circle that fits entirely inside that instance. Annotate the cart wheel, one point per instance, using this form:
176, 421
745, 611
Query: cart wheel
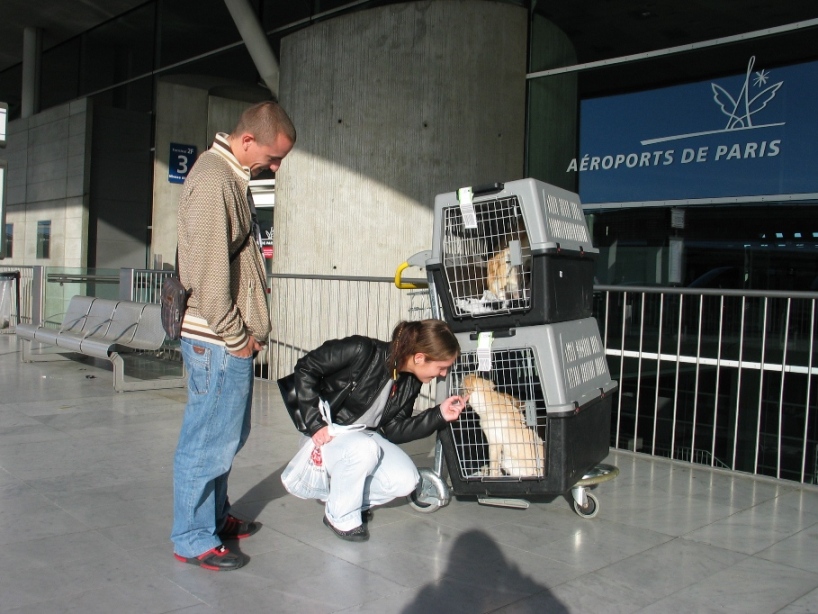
431, 494
424, 508
591, 508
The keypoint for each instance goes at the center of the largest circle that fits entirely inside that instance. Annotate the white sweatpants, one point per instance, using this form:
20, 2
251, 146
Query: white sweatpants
365, 470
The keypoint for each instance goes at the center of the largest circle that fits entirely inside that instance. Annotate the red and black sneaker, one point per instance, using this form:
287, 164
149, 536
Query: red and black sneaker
215, 559
236, 528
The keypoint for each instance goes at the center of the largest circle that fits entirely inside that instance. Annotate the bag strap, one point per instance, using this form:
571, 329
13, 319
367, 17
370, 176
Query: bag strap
336, 429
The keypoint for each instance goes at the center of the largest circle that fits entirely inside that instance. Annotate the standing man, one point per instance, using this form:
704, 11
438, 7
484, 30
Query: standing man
226, 324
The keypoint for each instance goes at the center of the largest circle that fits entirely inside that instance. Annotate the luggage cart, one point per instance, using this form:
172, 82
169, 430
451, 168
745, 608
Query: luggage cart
559, 428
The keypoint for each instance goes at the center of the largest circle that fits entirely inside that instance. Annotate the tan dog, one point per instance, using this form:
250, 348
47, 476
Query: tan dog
514, 448
503, 278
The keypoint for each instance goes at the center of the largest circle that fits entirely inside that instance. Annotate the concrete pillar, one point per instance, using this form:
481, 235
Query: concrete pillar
181, 117
188, 112
32, 54
394, 105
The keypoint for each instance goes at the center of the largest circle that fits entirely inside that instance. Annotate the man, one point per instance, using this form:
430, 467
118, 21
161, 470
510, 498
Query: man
225, 325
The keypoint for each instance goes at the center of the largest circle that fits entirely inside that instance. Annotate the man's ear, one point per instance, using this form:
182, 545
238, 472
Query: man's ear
246, 140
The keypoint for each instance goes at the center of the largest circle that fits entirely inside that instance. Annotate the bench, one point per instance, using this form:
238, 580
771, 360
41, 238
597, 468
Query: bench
105, 329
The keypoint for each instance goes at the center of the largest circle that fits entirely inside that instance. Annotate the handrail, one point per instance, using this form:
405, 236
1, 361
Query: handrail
81, 278
705, 291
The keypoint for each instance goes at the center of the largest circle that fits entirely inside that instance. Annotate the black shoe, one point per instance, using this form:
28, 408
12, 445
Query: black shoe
358, 534
367, 516
236, 528
215, 559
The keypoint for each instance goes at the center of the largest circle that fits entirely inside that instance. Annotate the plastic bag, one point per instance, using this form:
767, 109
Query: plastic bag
305, 475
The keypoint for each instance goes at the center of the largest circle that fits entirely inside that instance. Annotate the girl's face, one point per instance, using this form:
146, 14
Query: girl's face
426, 370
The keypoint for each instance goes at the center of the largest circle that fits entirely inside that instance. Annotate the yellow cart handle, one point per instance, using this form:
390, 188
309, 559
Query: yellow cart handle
418, 260
405, 285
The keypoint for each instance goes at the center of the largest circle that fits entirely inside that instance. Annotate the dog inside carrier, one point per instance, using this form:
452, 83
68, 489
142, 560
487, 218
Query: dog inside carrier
538, 406
488, 264
518, 254
502, 432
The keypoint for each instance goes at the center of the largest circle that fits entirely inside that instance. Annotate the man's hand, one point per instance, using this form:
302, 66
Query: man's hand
250, 348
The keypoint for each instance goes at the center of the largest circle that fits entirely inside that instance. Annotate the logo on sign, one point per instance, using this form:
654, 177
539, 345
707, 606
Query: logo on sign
739, 110
739, 107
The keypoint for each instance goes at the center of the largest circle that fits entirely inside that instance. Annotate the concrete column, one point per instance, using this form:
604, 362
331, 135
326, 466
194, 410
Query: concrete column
394, 105
32, 53
181, 117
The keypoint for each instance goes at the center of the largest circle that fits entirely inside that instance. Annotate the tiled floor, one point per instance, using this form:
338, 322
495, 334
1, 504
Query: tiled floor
85, 496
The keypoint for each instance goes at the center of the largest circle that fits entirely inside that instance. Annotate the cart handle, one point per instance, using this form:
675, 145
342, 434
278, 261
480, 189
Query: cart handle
406, 285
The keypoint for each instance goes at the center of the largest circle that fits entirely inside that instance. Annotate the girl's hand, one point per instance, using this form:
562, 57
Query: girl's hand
321, 437
451, 407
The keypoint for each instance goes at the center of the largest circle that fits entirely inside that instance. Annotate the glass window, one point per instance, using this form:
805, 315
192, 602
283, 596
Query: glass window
747, 247
44, 239
9, 242
136, 95
211, 21
615, 29
11, 86
59, 81
118, 50
275, 14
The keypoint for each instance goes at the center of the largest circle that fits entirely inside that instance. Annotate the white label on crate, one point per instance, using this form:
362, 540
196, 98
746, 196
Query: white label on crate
484, 341
464, 197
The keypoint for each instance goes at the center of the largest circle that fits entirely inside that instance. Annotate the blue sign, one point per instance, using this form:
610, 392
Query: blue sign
750, 135
181, 159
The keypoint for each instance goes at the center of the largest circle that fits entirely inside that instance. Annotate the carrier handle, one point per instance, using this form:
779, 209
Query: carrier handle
511, 332
487, 188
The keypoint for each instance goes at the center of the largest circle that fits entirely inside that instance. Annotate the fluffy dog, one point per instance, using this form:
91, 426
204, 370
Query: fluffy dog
514, 449
503, 279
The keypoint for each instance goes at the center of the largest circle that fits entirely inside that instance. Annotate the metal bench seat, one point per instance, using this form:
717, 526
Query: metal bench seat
105, 329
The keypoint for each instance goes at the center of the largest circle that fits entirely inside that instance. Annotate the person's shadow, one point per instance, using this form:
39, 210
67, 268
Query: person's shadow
253, 502
480, 579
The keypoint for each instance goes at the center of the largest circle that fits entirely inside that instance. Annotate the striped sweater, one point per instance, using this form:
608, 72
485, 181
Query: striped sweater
228, 298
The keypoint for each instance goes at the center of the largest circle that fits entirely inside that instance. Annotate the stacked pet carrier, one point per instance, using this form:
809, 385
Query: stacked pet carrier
513, 267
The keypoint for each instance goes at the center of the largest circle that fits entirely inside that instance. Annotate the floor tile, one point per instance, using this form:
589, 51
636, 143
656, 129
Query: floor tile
86, 509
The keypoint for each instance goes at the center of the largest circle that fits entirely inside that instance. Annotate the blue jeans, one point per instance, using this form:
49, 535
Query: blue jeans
365, 470
214, 428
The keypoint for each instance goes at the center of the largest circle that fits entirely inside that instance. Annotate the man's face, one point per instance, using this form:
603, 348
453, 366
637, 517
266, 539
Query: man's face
262, 157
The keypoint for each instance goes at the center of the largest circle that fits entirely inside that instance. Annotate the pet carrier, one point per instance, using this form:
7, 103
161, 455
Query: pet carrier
538, 416
537, 422
511, 255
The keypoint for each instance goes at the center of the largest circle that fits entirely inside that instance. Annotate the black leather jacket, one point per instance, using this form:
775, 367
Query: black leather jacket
355, 368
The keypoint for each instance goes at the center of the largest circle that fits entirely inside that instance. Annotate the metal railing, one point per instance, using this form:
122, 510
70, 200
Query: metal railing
30, 295
721, 376
307, 310
142, 285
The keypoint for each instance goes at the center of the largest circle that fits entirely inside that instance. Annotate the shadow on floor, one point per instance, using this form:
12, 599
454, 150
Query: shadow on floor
476, 574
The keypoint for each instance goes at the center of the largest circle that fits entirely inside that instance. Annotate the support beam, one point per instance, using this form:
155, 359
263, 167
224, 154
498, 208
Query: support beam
256, 42
32, 53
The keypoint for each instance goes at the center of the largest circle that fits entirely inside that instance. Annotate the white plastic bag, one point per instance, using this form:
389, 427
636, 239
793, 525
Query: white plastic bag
305, 475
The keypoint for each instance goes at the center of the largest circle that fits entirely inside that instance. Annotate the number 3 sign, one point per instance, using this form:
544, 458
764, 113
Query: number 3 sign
181, 159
